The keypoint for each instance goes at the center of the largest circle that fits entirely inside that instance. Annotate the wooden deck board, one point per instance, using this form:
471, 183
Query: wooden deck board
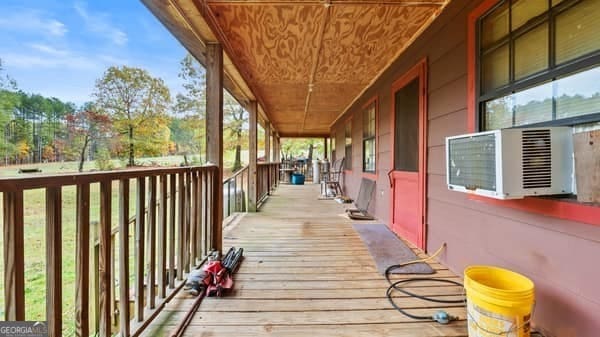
307, 273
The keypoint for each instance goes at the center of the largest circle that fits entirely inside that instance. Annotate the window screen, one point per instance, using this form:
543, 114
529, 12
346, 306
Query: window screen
406, 141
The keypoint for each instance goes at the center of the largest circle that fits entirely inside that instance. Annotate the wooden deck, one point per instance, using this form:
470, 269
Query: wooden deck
307, 273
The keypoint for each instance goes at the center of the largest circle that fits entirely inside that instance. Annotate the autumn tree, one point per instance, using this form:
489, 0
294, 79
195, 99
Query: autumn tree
188, 130
136, 102
235, 120
85, 126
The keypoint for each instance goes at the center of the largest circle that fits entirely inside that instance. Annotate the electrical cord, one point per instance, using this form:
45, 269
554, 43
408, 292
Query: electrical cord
440, 316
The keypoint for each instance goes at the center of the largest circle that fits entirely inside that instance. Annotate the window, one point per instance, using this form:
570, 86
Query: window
370, 137
539, 63
348, 145
572, 54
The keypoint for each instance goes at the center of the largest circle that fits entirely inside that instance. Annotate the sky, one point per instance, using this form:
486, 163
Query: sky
59, 48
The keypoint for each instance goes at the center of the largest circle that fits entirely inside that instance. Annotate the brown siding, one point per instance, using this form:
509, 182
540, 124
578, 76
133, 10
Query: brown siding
558, 255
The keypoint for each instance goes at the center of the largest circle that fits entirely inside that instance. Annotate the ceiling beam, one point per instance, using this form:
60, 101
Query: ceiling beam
316, 58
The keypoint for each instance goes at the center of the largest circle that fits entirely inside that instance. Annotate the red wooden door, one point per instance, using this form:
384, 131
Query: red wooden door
409, 148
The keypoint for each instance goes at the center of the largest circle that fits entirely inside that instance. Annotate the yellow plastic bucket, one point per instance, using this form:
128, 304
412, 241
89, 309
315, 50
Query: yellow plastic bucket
499, 302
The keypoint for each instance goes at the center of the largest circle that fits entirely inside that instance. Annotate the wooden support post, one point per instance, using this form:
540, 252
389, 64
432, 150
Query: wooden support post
124, 258
267, 142
14, 260
214, 132
105, 260
82, 261
278, 153
54, 261
325, 153
140, 231
252, 169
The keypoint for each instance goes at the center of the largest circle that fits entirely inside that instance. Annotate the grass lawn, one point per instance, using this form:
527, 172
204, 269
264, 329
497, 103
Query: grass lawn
35, 247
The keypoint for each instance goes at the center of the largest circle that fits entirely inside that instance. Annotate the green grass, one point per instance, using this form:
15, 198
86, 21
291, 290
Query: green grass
35, 247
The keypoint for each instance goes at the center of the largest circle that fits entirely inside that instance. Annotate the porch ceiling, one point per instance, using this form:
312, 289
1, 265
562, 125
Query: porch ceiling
306, 61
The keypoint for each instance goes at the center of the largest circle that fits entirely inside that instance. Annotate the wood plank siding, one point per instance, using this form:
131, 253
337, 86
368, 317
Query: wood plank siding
307, 273
556, 254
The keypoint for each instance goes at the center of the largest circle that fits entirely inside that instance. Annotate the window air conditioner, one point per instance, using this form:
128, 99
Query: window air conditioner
511, 163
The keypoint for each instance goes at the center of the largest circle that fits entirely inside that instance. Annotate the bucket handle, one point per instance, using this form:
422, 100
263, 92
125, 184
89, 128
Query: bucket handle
511, 329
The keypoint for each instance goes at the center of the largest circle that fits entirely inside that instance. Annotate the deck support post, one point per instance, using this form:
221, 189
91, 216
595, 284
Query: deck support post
214, 131
252, 173
326, 150
277, 141
267, 142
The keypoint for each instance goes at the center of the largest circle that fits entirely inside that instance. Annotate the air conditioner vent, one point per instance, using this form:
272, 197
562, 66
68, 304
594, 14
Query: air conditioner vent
537, 158
473, 163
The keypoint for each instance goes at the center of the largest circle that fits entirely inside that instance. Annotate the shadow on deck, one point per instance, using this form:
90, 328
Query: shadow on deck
307, 273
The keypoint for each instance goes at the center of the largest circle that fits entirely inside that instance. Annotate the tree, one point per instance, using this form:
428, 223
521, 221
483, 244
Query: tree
135, 101
85, 126
189, 131
235, 119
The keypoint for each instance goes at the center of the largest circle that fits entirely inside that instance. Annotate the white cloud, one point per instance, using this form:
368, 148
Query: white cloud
46, 49
27, 20
56, 28
99, 23
48, 60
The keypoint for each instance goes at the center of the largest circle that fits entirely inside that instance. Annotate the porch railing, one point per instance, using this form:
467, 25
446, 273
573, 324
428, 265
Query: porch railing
235, 192
267, 178
171, 232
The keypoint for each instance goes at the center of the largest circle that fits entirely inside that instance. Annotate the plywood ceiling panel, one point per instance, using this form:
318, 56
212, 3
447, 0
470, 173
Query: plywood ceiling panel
274, 43
361, 39
308, 60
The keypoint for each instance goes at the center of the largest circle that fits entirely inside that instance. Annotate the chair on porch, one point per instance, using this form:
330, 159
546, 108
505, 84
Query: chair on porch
367, 186
331, 180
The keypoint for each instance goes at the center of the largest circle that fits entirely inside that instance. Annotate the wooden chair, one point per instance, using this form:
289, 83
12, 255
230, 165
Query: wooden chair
332, 178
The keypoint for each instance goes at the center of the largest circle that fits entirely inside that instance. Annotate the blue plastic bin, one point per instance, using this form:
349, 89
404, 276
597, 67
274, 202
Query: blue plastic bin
298, 179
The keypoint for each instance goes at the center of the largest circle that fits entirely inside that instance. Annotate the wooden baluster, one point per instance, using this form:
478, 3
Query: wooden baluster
181, 226
193, 218
199, 215
151, 246
54, 260
113, 278
140, 222
104, 261
124, 258
96, 274
14, 260
162, 238
188, 208
203, 193
209, 209
172, 213
216, 230
82, 261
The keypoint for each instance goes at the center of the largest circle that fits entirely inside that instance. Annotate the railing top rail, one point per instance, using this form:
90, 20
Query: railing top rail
236, 174
57, 180
268, 163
